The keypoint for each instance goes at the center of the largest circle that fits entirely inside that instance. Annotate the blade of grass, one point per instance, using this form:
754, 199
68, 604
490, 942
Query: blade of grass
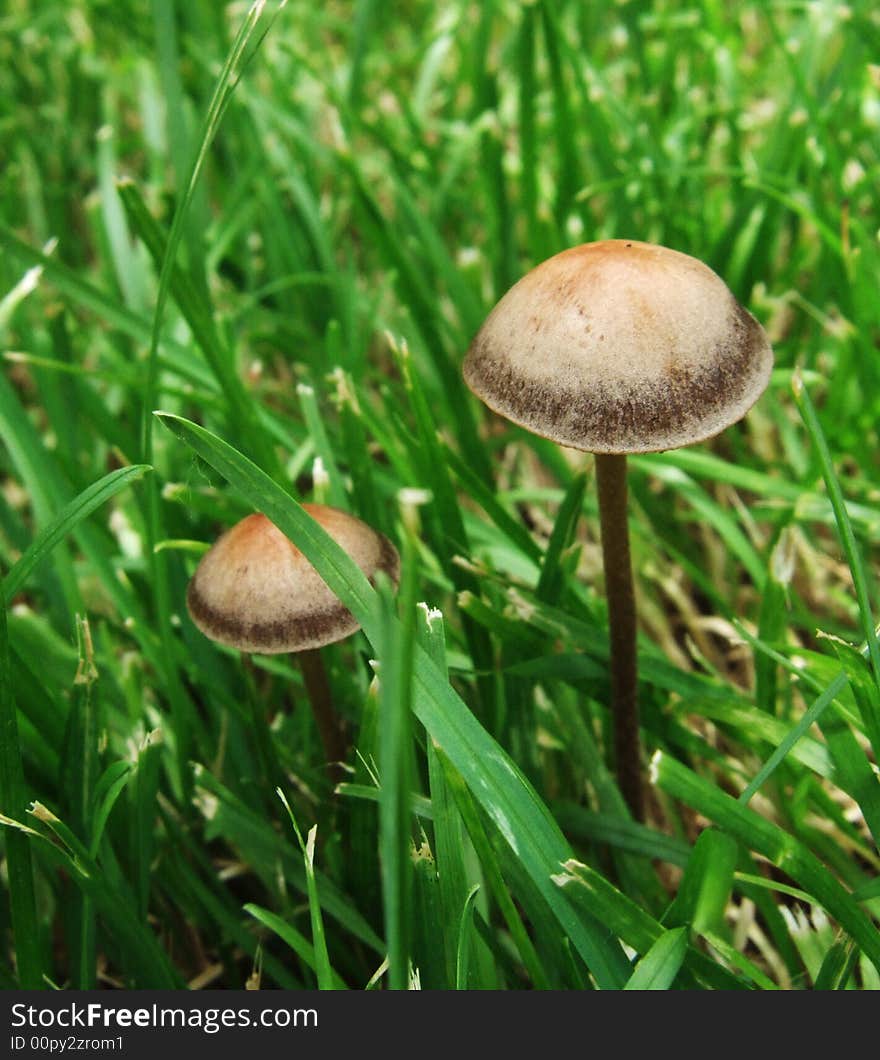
323, 968
79, 774
661, 964
705, 888
465, 934
844, 526
427, 958
173, 355
622, 834
317, 431
552, 577
143, 797
64, 522
736, 960
478, 491
396, 657
495, 880
446, 521
837, 967
232, 70
418, 296
300, 945
451, 844
264, 848
19, 867
41, 477
199, 315
810, 717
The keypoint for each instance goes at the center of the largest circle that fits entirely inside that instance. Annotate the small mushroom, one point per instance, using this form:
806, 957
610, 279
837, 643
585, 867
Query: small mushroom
620, 347
254, 590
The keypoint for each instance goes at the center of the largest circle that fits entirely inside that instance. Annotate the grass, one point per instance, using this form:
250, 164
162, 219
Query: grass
280, 226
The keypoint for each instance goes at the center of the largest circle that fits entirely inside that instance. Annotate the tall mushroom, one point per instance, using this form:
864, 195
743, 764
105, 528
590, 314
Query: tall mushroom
254, 590
620, 347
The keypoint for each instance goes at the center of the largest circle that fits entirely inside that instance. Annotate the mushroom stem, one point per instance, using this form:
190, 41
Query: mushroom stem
611, 481
321, 701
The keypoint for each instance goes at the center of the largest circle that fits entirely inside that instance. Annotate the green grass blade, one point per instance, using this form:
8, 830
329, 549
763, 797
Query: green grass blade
487, 500
199, 315
66, 520
323, 968
705, 888
13, 799
837, 967
809, 718
300, 945
109, 787
79, 775
661, 964
736, 960
453, 852
227, 81
844, 526
317, 431
181, 710
173, 355
494, 878
396, 645
465, 934
261, 844
552, 576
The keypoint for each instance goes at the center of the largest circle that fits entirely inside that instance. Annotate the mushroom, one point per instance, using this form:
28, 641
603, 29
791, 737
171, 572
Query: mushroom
254, 590
620, 347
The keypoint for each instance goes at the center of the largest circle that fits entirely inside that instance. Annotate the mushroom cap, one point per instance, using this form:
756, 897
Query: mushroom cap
620, 347
254, 590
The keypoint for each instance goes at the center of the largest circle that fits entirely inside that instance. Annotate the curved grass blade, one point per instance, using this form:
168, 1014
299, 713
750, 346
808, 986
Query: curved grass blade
661, 964
229, 76
705, 888
552, 577
19, 867
237, 59
67, 519
837, 966
844, 526
66, 281
465, 932
494, 878
297, 942
322, 966
452, 849
79, 765
803, 726
495, 781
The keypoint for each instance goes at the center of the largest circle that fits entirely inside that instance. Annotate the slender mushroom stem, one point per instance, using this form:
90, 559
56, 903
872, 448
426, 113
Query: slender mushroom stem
321, 701
611, 480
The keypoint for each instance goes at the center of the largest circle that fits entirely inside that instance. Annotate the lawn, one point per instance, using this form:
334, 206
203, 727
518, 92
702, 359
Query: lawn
244, 253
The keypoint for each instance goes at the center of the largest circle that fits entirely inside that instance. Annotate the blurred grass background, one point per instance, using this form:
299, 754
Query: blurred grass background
346, 190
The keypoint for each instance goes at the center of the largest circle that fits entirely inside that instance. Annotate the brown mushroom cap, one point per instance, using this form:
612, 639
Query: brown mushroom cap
620, 347
254, 590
